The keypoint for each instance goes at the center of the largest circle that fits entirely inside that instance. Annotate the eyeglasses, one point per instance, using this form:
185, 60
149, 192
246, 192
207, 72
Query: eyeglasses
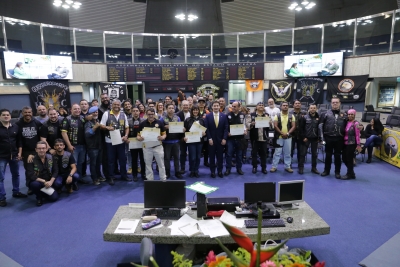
150, 114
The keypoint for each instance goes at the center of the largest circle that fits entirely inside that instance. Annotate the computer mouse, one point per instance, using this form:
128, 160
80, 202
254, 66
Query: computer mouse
289, 219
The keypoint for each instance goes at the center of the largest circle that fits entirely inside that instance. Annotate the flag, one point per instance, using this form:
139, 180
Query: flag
281, 90
254, 85
114, 91
310, 90
348, 89
48, 93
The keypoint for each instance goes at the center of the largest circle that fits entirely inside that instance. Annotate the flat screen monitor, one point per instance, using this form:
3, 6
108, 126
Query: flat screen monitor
33, 66
314, 65
260, 192
164, 194
290, 192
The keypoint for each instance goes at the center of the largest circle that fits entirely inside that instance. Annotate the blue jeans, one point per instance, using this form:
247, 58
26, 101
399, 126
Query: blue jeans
194, 156
62, 180
35, 186
234, 145
117, 151
79, 156
14, 168
372, 141
95, 162
286, 146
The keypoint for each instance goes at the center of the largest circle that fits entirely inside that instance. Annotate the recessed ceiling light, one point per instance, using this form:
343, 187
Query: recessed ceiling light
298, 8
305, 2
291, 7
65, 6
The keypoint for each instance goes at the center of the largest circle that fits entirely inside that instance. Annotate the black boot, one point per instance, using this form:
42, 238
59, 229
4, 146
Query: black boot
301, 170
369, 160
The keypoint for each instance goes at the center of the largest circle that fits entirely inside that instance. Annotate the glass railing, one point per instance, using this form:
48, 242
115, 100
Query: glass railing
374, 34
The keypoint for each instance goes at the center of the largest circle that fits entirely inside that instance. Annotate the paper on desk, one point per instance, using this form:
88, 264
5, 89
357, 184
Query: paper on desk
127, 226
230, 219
213, 228
183, 221
49, 190
201, 188
190, 230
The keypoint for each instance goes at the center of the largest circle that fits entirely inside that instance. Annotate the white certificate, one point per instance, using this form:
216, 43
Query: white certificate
175, 127
115, 137
134, 143
150, 134
196, 127
236, 129
262, 122
192, 137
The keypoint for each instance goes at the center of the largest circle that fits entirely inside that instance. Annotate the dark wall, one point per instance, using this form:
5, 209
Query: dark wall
37, 11
336, 10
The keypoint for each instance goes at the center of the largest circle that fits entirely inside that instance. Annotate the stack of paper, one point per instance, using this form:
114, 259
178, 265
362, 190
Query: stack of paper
127, 226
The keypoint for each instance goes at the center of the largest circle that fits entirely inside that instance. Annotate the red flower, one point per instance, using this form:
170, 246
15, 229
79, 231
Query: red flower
320, 264
210, 257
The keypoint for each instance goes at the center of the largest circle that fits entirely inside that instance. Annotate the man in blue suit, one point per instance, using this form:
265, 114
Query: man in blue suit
217, 134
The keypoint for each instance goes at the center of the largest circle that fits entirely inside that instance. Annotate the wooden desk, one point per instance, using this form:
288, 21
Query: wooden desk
306, 222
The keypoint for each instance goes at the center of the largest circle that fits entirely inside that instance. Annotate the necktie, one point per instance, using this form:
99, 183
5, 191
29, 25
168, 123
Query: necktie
216, 120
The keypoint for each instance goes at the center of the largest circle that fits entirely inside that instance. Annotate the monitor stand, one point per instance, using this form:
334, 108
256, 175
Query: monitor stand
288, 206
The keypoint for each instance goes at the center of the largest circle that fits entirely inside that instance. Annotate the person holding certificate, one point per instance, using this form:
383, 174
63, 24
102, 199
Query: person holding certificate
183, 115
237, 130
196, 147
171, 142
117, 127
258, 137
153, 149
217, 133
134, 124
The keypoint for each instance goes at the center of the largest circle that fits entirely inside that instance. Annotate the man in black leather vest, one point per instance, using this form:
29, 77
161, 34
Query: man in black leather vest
332, 132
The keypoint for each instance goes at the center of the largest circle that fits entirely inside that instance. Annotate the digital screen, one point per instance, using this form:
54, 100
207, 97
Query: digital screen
33, 66
314, 65
290, 192
164, 194
264, 192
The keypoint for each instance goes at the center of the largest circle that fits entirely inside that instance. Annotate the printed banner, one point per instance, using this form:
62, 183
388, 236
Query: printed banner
114, 91
281, 90
49, 93
310, 90
348, 89
389, 150
254, 85
215, 88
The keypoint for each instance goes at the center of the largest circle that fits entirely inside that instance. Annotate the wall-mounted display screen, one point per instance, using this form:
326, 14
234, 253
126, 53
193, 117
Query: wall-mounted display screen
33, 66
314, 65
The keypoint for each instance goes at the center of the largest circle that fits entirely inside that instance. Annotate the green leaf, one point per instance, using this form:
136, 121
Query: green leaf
238, 262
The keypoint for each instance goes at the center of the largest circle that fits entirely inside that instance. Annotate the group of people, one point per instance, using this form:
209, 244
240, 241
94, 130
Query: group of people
54, 146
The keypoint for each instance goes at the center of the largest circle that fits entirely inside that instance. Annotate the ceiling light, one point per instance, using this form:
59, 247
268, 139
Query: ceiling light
57, 4
291, 7
294, 4
180, 16
298, 8
65, 6
69, 2
305, 2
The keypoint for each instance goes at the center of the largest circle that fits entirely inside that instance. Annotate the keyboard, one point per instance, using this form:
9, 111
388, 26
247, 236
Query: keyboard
163, 214
266, 223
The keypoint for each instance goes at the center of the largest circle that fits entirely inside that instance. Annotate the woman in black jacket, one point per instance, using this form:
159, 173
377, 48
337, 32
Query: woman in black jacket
373, 133
194, 148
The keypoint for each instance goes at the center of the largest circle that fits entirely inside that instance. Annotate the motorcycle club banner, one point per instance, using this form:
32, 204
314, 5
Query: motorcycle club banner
49, 94
348, 89
310, 90
254, 85
215, 88
281, 90
114, 91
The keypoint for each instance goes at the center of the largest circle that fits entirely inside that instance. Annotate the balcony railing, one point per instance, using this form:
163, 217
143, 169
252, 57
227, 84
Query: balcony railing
374, 34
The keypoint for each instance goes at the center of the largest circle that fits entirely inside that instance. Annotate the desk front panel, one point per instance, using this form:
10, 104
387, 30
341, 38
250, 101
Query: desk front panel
389, 150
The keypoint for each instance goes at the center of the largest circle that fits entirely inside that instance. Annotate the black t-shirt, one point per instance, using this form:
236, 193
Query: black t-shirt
64, 166
155, 124
75, 129
51, 131
29, 133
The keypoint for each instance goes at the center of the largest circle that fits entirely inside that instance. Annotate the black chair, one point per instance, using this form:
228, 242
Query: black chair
15, 113
326, 106
345, 108
370, 108
11, 73
368, 116
395, 111
393, 120
322, 110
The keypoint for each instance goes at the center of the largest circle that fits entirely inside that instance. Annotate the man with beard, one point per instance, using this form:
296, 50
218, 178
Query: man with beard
203, 112
127, 107
105, 106
9, 155
51, 130
41, 174
116, 120
42, 114
183, 114
296, 138
222, 106
67, 174
84, 105
93, 145
155, 151
73, 133
29, 129
134, 125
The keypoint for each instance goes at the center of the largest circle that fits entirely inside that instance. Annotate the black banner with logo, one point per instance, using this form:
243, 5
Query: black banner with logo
49, 93
348, 89
281, 90
215, 88
310, 90
114, 91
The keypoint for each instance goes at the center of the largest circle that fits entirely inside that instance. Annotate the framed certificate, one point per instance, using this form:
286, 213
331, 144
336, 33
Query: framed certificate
150, 134
134, 143
175, 127
236, 129
262, 122
192, 137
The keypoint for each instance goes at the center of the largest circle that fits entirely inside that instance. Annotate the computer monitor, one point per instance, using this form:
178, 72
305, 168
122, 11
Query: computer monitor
164, 194
290, 192
259, 192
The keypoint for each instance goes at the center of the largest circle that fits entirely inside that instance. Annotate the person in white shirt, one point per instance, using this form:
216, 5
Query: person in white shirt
271, 109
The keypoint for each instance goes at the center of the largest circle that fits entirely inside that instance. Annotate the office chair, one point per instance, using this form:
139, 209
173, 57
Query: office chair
326, 106
15, 113
368, 116
370, 108
393, 120
395, 111
146, 251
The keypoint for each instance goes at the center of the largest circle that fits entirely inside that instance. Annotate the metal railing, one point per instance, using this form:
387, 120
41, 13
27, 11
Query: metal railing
373, 34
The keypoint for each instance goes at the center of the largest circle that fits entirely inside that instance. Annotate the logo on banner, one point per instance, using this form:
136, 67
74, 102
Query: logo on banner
308, 90
49, 94
281, 91
207, 89
254, 84
346, 85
